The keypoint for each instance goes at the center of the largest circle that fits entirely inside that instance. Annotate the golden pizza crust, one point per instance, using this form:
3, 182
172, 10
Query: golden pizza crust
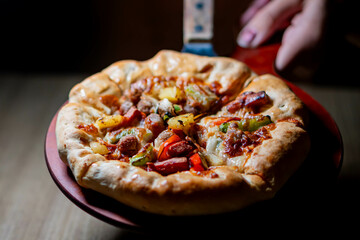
228, 188
277, 158
184, 193
73, 143
88, 91
177, 194
231, 74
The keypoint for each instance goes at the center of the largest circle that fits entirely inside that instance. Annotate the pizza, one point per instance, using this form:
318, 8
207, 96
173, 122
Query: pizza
181, 134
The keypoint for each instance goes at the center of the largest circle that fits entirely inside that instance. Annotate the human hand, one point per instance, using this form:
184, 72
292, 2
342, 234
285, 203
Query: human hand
304, 24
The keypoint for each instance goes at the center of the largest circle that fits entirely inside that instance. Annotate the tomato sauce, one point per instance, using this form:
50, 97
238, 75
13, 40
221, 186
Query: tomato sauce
239, 142
91, 129
110, 101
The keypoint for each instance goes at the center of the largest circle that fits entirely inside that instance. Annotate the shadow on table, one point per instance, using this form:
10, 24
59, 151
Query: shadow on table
333, 214
337, 66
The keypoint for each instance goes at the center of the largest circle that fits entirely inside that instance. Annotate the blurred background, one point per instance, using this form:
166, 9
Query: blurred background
86, 36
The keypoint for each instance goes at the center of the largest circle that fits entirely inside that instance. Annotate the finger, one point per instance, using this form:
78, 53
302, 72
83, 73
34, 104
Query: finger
266, 21
252, 10
303, 37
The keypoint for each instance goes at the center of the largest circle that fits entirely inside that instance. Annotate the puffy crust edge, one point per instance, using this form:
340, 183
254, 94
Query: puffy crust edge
176, 194
88, 91
182, 193
231, 73
264, 173
285, 104
73, 143
277, 158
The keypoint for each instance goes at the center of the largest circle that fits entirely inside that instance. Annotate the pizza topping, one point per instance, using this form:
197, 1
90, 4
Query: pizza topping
99, 148
247, 124
112, 148
146, 154
169, 166
199, 98
255, 123
163, 136
213, 143
216, 121
111, 101
163, 109
155, 124
175, 154
176, 151
147, 104
125, 106
214, 159
173, 94
91, 129
159, 94
133, 115
237, 142
197, 162
148, 85
250, 100
163, 150
166, 109
181, 148
128, 145
183, 122
177, 108
224, 127
114, 136
135, 91
109, 121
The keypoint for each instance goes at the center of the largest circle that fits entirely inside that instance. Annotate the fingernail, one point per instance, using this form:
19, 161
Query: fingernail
245, 38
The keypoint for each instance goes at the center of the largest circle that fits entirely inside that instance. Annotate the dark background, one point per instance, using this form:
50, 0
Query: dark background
87, 36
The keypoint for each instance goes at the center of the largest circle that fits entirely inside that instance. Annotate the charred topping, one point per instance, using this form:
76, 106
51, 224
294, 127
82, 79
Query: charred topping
250, 100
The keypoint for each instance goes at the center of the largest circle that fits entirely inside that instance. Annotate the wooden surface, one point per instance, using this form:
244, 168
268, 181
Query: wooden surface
32, 207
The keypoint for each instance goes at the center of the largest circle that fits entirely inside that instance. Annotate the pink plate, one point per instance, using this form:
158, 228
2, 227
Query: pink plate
321, 167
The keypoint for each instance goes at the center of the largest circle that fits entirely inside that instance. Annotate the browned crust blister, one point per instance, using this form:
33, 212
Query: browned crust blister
234, 187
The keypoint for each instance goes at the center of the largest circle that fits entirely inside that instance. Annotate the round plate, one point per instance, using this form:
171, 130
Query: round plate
321, 166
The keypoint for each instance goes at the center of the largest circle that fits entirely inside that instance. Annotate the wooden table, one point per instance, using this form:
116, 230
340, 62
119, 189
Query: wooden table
32, 207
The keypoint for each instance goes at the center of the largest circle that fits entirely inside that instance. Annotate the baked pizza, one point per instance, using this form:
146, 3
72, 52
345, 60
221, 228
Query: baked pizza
181, 134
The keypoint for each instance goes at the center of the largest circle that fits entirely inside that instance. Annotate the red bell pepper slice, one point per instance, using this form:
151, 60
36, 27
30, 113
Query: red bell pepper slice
163, 149
196, 163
